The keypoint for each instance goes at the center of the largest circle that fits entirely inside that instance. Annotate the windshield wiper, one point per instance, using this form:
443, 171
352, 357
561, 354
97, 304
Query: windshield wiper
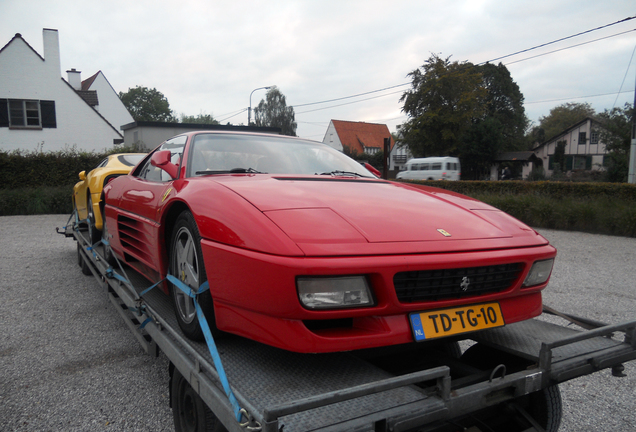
245, 170
231, 171
342, 173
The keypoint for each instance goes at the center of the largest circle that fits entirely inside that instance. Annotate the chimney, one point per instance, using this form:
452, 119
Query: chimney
75, 78
52, 51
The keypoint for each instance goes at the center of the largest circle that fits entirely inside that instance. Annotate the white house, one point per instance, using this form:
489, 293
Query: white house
41, 110
583, 148
108, 103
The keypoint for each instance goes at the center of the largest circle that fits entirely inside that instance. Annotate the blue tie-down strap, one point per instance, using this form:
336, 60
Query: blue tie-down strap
112, 274
238, 412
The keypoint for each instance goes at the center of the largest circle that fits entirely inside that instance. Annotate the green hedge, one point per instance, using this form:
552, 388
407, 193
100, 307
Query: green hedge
556, 190
41, 200
53, 169
602, 208
605, 208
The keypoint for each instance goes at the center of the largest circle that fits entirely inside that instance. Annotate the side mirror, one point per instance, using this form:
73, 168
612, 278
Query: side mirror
161, 159
82, 175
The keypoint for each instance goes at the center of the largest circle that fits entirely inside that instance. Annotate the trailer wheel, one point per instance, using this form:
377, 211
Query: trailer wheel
82, 262
545, 407
186, 264
190, 413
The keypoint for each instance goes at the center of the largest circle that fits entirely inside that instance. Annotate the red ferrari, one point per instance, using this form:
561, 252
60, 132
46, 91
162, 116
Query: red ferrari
306, 250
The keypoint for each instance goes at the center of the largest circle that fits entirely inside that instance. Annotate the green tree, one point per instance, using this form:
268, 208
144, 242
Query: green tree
274, 112
501, 126
504, 103
199, 119
351, 152
559, 156
443, 100
480, 146
616, 135
560, 118
146, 104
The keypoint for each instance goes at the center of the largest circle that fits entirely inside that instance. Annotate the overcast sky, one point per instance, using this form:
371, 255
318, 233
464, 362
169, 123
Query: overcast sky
208, 56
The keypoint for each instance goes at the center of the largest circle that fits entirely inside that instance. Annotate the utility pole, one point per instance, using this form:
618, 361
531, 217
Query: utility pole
387, 155
631, 176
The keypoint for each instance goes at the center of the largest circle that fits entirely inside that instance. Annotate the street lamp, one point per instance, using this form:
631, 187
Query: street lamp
249, 110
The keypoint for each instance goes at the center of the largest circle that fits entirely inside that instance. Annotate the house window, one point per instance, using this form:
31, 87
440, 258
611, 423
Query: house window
578, 162
582, 138
399, 159
594, 138
24, 113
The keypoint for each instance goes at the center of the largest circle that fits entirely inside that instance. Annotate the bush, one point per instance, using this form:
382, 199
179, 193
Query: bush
603, 208
42, 200
19, 169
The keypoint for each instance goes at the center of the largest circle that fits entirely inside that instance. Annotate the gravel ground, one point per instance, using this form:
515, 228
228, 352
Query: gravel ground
68, 362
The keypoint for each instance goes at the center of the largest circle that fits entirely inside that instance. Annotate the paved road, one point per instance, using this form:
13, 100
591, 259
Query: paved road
68, 362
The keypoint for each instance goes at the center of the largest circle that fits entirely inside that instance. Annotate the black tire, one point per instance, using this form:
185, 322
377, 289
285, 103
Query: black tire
486, 358
82, 262
186, 264
94, 234
545, 407
190, 413
109, 256
452, 349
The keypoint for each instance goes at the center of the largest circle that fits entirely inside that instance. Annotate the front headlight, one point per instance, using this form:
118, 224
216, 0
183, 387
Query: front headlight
539, 273
334, 292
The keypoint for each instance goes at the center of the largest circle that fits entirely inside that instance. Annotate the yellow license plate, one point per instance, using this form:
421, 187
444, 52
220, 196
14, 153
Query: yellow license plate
452, 321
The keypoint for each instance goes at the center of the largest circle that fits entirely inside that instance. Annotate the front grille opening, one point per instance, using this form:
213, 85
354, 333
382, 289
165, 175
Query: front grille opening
317, 325
444, 284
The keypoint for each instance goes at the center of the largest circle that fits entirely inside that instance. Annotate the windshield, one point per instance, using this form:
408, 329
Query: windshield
227, 153
130, 159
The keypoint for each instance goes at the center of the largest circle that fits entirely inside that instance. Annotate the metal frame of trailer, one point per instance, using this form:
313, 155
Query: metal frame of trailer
279, 390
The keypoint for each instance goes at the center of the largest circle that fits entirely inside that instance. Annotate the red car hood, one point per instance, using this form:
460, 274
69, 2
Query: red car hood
336, 211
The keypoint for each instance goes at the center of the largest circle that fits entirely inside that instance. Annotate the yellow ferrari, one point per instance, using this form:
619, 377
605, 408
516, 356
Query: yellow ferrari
87, 192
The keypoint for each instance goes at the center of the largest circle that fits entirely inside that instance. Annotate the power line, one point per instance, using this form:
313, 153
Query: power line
570, 47
578, 97
621, 87
349, 97
349, 103
233, 115
488, 61
559, 40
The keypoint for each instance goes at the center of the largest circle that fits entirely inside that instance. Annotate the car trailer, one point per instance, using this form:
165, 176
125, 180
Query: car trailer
506, 380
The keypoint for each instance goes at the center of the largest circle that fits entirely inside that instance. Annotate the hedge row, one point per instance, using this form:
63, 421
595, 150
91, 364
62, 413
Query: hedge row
31, 201
35, 169
597, 208
599, 215
555, 190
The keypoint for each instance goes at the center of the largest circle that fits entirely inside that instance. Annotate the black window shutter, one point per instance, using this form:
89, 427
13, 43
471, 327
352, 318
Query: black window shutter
47, 109
4, 113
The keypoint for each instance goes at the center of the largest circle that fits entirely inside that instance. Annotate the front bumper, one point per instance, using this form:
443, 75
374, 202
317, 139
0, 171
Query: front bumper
255, 296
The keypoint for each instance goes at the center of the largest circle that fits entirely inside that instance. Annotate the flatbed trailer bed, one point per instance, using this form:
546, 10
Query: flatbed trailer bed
423, 387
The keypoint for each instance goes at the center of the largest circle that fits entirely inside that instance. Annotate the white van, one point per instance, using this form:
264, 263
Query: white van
431, 168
